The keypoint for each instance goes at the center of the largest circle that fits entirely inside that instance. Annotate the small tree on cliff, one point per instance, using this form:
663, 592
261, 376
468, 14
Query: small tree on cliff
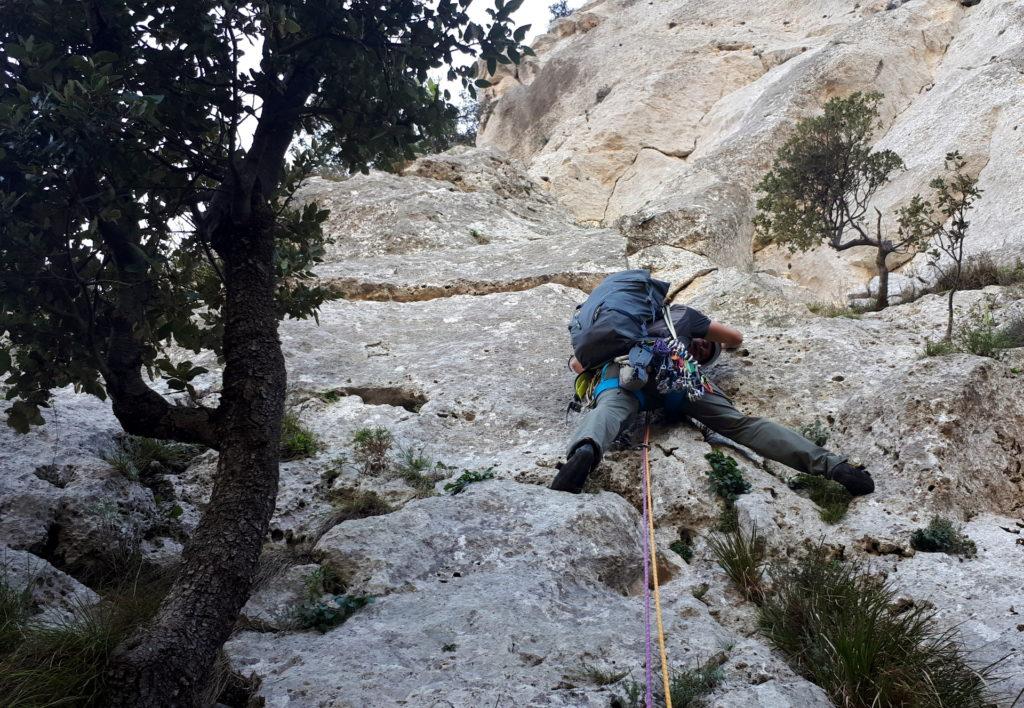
134, 217
822, 182
944, 225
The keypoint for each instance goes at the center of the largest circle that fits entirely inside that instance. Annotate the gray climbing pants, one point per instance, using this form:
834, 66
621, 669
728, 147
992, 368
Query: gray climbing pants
615, 409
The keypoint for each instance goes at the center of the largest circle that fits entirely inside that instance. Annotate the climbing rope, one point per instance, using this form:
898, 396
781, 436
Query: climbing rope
651, 578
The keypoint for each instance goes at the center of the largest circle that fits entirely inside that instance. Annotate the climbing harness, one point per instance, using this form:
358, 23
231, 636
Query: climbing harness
651, 578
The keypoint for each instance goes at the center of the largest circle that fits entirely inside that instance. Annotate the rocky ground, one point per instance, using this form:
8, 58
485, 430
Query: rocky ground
457, 280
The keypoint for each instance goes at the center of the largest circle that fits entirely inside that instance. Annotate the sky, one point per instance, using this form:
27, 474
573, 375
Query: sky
535, 13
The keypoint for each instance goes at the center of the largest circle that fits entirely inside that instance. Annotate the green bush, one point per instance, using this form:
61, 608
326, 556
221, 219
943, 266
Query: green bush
726, 478
297, 441
742, 557
841, 629
831, 497
133, 455
371, 447
942, 536
467, 478
596, 675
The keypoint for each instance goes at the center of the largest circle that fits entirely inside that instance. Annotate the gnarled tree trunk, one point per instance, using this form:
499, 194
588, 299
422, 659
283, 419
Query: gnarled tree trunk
882, 299
166, 663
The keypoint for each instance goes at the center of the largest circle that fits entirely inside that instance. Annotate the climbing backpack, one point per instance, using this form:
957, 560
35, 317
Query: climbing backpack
615, 316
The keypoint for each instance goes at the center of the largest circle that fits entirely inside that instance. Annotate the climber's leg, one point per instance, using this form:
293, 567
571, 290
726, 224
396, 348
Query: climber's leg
765, 437
611, 414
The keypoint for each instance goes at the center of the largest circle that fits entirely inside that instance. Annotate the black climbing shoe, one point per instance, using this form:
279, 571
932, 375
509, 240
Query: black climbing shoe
573, 473
856, 480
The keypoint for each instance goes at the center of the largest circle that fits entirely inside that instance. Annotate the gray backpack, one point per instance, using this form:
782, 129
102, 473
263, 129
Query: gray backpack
616, 316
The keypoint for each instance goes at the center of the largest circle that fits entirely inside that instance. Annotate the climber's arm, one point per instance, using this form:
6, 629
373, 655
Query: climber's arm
725, 335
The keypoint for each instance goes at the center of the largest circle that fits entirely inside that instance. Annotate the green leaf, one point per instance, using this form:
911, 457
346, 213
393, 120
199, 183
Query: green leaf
5, 361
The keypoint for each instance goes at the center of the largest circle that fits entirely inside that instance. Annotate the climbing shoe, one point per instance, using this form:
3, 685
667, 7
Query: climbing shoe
573, 473
856, 480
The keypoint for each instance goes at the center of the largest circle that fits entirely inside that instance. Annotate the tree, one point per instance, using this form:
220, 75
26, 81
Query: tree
822, 182
136, 215
945, 224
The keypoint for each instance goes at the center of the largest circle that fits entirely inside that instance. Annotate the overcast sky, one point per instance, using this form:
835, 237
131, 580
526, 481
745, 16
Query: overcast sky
535, 13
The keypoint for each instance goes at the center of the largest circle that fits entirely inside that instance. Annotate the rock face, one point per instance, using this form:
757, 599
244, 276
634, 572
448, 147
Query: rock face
457, 280
510, 587
661, 117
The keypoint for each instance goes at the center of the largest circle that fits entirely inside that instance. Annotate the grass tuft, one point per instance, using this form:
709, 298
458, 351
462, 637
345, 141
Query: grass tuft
840, 628
64, 662
352, 503
834, 309
831, 497
419, 471
943, 536
687, 686
599, 677
297, 441
742, 557
133, 456
15, 610
939, 347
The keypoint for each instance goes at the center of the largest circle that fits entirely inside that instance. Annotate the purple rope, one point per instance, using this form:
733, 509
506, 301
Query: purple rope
647, 597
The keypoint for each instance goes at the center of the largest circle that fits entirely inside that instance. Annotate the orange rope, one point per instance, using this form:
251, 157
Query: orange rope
654, 565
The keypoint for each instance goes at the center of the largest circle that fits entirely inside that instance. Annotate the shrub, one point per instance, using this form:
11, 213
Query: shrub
297, 441
742, 557
467, 478
726, 478
830, 496
979, 273
325, 606
942, 536
371, 447
133, 455
815, 432
840, 628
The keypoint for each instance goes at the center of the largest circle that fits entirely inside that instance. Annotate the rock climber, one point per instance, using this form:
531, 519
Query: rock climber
615, 407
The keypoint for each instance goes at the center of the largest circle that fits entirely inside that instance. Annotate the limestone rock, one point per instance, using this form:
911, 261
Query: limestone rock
53, 594
497, 593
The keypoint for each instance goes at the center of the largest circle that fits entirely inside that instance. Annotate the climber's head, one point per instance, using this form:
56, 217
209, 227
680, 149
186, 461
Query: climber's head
705, 351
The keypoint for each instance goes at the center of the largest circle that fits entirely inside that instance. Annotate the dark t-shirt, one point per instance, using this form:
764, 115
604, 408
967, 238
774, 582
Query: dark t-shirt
689, 323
